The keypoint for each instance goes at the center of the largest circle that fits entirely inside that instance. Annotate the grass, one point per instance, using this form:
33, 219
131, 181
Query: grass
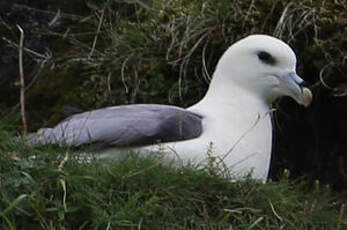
124, 52
46, 188
164, 52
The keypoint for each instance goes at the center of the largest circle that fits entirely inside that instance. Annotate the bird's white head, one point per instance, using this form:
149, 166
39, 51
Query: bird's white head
263, 65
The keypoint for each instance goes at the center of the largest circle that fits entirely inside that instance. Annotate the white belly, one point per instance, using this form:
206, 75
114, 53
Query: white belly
243, 150
246, 152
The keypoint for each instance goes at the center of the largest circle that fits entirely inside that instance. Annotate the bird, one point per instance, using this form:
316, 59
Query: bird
232, 123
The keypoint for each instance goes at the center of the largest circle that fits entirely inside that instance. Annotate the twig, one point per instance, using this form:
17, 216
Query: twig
47, 12
97, 33
27, 50
341, 215
205, 72
122, 72
63, 180
22, 86
241, 137
56, 21
108, 227
278, 32
259, 117
274, 211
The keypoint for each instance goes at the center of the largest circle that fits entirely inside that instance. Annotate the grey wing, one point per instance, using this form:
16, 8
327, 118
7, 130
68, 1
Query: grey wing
129, 125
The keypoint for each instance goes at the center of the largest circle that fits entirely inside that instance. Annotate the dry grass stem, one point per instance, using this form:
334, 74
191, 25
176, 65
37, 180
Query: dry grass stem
97, 32
22, 84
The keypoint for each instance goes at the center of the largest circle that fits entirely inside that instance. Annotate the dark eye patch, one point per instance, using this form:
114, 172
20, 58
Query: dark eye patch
266, 57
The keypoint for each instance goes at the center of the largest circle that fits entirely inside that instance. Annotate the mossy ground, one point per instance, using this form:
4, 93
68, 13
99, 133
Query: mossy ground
120, 52
47, 188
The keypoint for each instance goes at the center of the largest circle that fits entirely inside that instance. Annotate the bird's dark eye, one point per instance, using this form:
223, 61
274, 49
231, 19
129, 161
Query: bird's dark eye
266, 57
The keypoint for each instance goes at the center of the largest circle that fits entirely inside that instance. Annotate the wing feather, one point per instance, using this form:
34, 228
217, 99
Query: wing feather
127, 125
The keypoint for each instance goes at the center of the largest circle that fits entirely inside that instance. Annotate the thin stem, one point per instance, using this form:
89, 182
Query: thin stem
22, 85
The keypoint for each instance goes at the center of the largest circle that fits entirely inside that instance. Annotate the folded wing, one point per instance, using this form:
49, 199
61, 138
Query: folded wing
128, 125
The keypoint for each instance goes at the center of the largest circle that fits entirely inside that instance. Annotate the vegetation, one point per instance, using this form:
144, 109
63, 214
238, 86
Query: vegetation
163, 51
95, 53
49, 188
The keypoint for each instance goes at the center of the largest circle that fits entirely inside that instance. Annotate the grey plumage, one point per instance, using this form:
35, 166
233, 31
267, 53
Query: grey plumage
127, 125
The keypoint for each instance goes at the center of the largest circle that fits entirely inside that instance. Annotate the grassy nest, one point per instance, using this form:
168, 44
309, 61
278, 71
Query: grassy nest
98, 53
51, 188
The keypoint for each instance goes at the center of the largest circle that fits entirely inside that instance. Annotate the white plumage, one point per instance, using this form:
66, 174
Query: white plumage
232, 122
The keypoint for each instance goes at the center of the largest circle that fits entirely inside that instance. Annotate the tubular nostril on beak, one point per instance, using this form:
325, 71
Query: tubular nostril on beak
293, 86
298, 80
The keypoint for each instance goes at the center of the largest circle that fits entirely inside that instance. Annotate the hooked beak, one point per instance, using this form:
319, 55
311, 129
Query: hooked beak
291, 84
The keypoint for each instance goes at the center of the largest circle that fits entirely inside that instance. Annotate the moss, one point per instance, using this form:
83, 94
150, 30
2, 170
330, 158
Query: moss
165, 51
41, 189
55, 89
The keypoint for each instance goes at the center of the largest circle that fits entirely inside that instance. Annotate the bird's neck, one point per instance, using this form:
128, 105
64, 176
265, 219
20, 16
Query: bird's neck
222, 95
